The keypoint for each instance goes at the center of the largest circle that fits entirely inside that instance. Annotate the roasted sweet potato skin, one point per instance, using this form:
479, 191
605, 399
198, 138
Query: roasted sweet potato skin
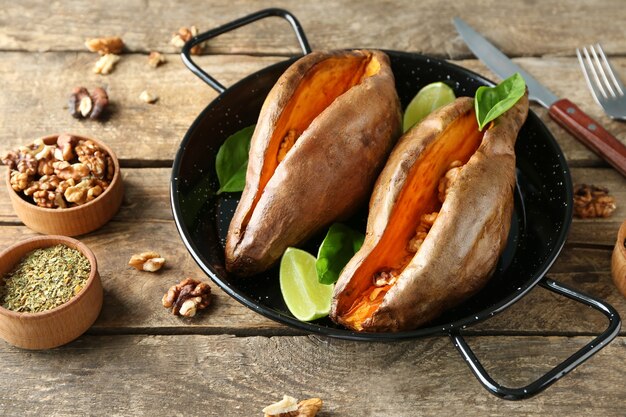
461, 250
326, 175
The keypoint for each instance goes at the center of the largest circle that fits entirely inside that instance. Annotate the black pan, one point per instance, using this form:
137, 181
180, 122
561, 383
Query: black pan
540, 224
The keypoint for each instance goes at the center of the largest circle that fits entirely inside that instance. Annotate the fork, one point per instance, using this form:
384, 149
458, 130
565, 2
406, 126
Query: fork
608, 91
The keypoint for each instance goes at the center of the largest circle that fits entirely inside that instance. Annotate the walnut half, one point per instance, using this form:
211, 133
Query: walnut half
82, 104
187, 297
290, 407
591, 201
147, 261
103, 46
183, 35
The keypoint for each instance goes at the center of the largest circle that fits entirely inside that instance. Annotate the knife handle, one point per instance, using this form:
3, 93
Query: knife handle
590, 133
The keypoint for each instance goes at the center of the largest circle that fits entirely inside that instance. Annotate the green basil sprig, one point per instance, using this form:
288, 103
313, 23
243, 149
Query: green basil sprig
338, 247
491, 102
231, 161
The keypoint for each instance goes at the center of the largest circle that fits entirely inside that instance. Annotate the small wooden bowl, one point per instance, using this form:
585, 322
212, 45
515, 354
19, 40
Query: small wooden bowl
59, 325
618, 261
71, 221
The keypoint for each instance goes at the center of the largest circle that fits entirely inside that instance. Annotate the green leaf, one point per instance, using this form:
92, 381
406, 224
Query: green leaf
338, 247
231, 161
491, 102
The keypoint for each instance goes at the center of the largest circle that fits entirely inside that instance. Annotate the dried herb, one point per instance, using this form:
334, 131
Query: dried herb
44, 279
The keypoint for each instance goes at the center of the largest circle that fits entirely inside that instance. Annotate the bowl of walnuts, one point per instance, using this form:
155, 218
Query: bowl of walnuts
64, 184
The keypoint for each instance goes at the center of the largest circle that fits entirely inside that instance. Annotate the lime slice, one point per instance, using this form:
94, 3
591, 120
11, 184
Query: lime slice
305, 297
428, 99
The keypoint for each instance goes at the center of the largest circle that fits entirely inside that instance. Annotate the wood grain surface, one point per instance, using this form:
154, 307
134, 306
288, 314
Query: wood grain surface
523, 28
34, 102
234, 376
139, 359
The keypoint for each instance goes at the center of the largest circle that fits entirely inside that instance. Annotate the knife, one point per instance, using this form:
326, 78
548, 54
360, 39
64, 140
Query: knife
567, 114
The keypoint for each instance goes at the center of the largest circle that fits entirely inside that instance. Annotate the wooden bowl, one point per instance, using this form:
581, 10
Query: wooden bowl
71, 221
61, 324
618, 261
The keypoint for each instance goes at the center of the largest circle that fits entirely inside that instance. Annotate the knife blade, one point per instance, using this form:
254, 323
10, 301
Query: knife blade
563, 111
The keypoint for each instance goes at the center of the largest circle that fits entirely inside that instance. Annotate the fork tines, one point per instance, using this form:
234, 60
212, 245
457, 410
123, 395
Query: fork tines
595, 67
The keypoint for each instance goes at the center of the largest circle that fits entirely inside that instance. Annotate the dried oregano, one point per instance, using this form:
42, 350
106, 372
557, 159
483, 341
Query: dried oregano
44, 279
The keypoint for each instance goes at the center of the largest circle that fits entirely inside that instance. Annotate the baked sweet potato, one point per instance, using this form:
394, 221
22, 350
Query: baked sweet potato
439, 218
322, 137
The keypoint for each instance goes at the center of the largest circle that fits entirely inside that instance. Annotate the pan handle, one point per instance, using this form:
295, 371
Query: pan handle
561, 369
246, 20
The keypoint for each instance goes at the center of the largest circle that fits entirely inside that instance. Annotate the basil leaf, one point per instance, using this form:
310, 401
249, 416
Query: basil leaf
231, 161
338, 247
491, 102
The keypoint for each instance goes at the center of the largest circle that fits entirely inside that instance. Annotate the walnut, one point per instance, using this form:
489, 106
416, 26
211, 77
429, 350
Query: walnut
155, 59
147, 261
49, 199
50, 175
59, 201
27, 164
65, 184
76, 98
49, 182
100, 100
45, 167
290, 407
65, 170
105, 64
446, 181
183, 35
83, 105
591, 201
93, 157
287, 143
19, 180
103, 46
31, 188
94, 192
65, 147
78, 193
148, 97
187, 297
44, 198
426, 222
102, 183
10, 159
383, 278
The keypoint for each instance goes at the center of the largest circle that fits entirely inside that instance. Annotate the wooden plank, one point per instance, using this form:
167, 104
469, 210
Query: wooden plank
543, 28
147, 198
227, 376
36, 87
132, 300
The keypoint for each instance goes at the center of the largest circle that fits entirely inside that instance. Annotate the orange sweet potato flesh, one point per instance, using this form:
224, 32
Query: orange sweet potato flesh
322, 137
461, 249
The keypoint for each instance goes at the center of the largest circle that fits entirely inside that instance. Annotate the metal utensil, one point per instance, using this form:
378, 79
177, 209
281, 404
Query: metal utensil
606, 88
567, 114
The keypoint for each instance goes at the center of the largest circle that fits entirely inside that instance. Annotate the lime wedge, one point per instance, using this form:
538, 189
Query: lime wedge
428, 99
305, 297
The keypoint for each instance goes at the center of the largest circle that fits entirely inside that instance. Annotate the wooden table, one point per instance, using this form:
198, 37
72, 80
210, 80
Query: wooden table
140, 360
